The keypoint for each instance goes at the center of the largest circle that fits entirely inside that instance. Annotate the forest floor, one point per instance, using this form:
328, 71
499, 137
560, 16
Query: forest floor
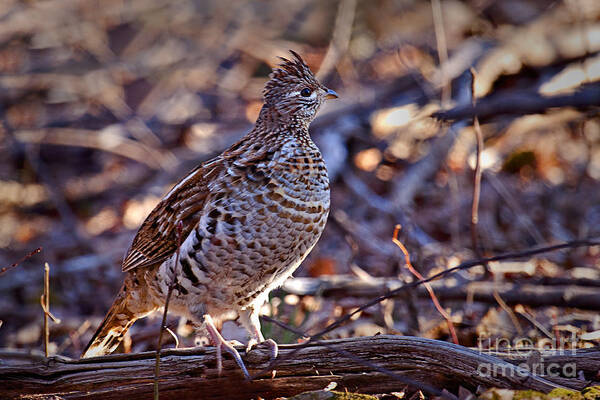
103, 109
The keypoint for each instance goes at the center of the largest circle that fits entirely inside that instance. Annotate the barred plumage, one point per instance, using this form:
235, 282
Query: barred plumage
250, 216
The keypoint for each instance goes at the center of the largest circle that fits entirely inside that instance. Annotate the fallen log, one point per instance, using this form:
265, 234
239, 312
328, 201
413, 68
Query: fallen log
523, 103
191, 373
535, 295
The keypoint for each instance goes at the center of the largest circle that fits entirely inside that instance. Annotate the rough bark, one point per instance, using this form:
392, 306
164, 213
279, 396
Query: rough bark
191, 373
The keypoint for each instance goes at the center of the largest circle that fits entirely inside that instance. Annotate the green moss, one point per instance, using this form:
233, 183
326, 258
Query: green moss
591, 393
564, 394
528, 394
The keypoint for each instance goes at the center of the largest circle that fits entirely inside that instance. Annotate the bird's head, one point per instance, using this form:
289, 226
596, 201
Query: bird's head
294, 92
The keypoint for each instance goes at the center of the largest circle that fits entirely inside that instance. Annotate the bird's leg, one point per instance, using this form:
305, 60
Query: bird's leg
221, 344
249, 320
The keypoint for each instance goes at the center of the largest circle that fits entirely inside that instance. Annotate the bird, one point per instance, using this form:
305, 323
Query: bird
235, 228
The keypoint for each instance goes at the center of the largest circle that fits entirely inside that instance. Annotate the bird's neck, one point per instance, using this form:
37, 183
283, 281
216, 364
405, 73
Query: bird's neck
270, 121
271, 131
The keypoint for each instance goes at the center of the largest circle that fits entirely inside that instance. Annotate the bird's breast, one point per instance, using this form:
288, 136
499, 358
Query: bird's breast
257, 226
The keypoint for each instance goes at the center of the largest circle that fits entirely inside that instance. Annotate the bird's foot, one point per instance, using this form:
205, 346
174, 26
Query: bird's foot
221, 344
269, 343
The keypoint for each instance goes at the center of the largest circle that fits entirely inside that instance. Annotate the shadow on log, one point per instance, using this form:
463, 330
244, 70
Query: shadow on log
191, 373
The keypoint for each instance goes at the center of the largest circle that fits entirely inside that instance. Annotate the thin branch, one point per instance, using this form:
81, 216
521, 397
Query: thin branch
45, 306
535, 323
163, 324
4, 270
416, 273
477, 173
45, 303
507, 309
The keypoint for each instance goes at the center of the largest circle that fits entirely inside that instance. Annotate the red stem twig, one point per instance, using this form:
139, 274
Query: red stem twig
416, 273
4, 270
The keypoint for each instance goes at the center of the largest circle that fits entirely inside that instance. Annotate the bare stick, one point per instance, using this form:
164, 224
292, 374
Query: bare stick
163, 324
45, 303
477, 175
4, 270
46, 306
509, 311
416, 273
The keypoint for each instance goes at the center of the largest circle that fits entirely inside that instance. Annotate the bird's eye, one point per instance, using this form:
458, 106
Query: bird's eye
305, 92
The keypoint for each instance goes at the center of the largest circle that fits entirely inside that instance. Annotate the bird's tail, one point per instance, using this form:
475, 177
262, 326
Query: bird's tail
112, 330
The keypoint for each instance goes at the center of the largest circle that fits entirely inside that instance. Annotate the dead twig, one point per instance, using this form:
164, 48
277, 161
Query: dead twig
477, 173
416, 273
163, 324
45, 303
4, 270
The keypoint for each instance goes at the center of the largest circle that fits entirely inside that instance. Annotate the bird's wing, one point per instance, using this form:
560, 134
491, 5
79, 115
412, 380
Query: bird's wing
157, 238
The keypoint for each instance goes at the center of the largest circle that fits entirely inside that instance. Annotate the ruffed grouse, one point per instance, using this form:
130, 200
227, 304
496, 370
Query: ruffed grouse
249, 217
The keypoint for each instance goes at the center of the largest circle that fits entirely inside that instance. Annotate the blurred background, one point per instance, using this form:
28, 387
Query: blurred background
105, 104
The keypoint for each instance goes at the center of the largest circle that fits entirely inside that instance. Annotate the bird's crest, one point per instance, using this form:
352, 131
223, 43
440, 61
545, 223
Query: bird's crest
289, 72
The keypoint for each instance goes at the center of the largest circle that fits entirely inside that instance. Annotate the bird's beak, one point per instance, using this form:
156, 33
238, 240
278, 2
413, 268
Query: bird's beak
331, 94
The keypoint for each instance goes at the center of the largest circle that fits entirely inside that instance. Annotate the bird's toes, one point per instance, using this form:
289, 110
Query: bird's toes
228, 347
269, 344
273, 347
